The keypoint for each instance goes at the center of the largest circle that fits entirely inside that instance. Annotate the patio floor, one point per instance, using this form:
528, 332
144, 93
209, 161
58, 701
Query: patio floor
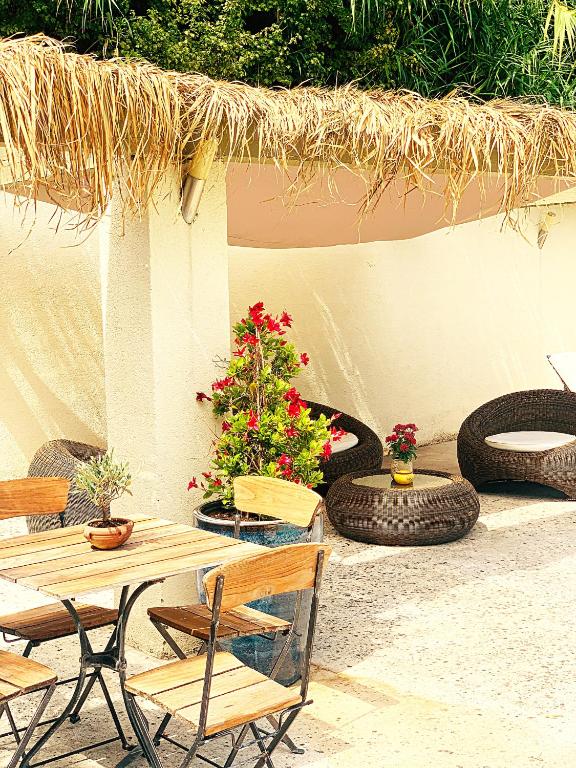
455, 656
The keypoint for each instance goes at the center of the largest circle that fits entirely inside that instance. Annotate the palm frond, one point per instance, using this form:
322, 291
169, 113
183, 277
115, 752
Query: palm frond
84, 124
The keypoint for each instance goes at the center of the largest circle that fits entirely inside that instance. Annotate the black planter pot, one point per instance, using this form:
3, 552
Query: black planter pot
256, 651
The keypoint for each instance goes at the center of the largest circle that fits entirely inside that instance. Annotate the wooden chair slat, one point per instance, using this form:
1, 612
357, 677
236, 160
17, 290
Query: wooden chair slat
33, 496
23, 674
242, 706
279, 498
285, 569
49, 622
238, 693
165, 678
195, 620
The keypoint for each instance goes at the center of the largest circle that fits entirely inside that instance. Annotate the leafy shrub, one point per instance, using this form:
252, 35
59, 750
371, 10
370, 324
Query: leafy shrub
266, 426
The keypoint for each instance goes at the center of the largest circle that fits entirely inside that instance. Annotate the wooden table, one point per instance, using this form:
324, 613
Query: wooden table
61, 564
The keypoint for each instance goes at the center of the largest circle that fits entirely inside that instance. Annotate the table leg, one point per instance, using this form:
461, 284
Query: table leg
112, 657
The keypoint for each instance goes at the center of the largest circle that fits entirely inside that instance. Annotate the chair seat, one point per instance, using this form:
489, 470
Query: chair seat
529, 441
19, 675
195, 620
50, 622
238, 693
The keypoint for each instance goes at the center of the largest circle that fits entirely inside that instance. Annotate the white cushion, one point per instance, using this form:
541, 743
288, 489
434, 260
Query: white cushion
529, 441
349, 440
564, 363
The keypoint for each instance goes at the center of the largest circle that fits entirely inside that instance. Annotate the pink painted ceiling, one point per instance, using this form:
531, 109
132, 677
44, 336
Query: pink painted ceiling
263, 212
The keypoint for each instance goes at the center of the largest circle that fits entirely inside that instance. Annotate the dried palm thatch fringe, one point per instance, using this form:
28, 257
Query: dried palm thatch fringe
84, 123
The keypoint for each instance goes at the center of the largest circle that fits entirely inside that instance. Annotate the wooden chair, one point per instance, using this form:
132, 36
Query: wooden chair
48, 496
288, 502
291, 503
18, 677
215, 692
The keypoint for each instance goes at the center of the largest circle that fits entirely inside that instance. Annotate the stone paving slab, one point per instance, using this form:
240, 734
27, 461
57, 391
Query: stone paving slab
455, 656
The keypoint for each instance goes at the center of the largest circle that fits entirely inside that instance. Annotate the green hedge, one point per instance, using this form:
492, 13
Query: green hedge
487, 47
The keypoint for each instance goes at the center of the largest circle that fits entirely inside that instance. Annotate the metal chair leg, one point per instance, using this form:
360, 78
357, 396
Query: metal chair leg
13, 726
113, 713
294, 748
161, 728
237, 744
140, 726
257, 735
277, 739
16, 757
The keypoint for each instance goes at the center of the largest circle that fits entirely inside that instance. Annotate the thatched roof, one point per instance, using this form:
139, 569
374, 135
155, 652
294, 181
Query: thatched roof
83, 123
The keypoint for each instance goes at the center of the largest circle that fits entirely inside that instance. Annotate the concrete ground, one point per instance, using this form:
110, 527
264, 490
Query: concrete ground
454, 656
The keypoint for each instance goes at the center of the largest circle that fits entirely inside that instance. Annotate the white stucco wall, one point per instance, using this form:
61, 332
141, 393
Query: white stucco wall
51, 366
425, 329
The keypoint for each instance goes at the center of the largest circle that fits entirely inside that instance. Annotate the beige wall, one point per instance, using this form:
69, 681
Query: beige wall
426, 329
51, 369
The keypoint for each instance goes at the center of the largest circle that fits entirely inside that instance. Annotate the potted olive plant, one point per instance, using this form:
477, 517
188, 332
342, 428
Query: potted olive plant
105, 480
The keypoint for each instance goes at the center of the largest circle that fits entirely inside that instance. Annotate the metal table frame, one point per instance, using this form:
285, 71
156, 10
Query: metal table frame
112, 657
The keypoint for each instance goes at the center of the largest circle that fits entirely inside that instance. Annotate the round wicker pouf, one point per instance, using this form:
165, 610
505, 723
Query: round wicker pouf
368, 506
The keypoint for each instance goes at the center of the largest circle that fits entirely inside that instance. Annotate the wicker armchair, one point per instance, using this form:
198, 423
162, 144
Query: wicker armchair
550, 410
367, 454
60, 458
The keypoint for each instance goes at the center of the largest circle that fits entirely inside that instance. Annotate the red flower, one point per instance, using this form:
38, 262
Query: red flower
220, 385
202, 396
304, 359
226, 426
240, 351
291, 432
294, 409
284, 461
337, 434
411, 439
250, 338
392, 438
287, 473
283, 343
399, 427
255, 313
207, 475
271, 324
326, 450
218, 482
286, 320
413, 427
252, 420
293, 396
404, 446
192, 484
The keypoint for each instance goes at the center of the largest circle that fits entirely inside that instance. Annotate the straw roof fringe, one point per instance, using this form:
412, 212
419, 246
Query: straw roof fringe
83, 123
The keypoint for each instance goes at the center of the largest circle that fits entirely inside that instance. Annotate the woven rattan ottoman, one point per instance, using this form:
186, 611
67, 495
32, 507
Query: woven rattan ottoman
368, 506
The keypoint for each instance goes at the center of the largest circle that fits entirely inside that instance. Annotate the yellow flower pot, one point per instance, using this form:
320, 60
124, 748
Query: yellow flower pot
402, 472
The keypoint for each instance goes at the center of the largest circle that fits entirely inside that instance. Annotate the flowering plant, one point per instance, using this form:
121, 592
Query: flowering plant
266, 426
402, 442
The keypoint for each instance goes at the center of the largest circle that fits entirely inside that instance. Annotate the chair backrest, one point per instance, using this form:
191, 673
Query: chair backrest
283, 569
564, 363
33, 496
272, 496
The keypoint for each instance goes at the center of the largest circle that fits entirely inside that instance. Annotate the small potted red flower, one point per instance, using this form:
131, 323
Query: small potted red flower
402, 447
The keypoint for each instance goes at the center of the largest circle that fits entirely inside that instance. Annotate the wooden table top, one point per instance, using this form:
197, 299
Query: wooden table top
62, 564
